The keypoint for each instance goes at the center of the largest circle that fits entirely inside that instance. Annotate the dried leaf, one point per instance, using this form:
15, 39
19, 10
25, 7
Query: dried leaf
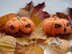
37, 9
5, 18
29, 6
26, 11
61, 15
70, 15
23, 13
43, 15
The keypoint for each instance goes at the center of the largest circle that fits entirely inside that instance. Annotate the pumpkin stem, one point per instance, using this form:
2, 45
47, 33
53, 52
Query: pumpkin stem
18, 17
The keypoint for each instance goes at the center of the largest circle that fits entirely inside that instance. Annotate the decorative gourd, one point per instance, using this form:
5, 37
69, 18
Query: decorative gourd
56, 26
7, 44
17, 24
58, 46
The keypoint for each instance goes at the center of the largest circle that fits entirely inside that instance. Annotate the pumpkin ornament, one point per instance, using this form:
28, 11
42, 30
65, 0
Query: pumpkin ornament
56, 26
12, 26
16, 24
26, 25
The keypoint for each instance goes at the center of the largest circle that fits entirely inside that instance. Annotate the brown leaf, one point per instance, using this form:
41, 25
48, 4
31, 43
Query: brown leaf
37, 9
43, 15
29, 6
26, 11
5, 18
23, 13
70, 15
61, 15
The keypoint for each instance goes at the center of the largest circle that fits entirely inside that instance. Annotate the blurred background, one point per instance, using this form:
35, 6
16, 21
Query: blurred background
52, 6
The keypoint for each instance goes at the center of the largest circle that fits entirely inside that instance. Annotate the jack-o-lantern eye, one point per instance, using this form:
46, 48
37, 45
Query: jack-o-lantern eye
11, 27
57, 26
28, 25
68, 24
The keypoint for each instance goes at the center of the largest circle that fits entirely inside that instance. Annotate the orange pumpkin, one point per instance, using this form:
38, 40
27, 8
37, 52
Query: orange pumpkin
26, 25
12, 26
17, 24
56, 26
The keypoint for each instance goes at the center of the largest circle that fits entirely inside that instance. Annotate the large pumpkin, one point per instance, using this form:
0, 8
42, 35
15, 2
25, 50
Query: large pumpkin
56, 26
17, 24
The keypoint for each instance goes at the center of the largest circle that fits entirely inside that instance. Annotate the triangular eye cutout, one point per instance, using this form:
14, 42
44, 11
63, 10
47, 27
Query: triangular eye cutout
57, 26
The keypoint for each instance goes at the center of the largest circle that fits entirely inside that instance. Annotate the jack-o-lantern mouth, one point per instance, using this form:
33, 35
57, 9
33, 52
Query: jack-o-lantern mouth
20, 32
62, 34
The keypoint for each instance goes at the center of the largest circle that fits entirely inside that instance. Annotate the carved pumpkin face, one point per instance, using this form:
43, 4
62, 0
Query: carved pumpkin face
56, 26
12, 26
27, 25
23, 24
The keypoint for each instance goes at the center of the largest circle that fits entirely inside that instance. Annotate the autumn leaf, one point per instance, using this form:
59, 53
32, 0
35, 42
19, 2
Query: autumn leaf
70, 15
26, 11
43, 15
23, 12
37, 11
61, 15
29, 6
38, 8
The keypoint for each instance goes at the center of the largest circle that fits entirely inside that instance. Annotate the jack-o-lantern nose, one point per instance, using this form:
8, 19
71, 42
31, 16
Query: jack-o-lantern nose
64, 29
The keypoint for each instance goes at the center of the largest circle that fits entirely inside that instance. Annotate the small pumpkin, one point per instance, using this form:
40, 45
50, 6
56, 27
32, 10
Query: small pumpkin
56, 26
12, 26
26, 25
